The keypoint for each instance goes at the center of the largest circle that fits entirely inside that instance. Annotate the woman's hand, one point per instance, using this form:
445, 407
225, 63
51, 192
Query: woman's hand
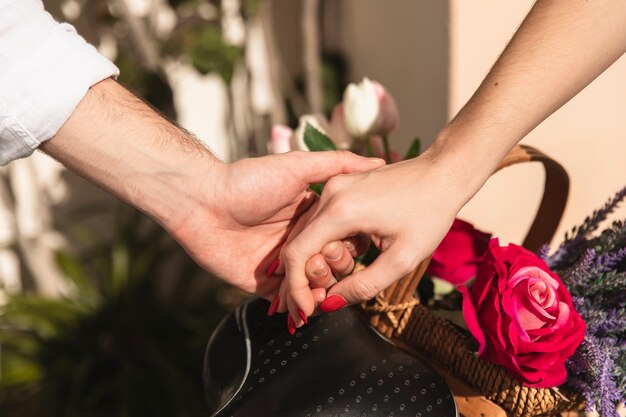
405, 208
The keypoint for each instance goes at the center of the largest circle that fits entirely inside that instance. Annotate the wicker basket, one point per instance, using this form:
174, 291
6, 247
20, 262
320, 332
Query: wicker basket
397, 314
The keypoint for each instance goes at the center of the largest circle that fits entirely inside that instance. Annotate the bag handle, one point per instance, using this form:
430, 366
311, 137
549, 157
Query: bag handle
391, 309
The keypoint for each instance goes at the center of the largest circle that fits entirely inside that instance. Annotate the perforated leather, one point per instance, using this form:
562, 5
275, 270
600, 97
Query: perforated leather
334, 366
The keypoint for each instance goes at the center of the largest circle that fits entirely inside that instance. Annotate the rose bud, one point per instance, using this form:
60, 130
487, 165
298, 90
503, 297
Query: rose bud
522, 316
457, 257
369, 109
280, 139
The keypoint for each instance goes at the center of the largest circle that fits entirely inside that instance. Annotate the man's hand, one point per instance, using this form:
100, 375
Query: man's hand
243, 218
231, 218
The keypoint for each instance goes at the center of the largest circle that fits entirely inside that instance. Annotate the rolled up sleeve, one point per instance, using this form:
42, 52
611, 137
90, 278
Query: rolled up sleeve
45, 70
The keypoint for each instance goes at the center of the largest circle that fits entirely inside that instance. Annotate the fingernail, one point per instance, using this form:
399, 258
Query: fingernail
291, 325
303, 316
321, 272
349, 244
333, 303
333, 253
274, 306
375, 160
270, 271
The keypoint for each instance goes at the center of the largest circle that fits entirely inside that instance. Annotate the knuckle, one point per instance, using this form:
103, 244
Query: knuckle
334, 185
290, 254
342, 154
341, 208
364, 289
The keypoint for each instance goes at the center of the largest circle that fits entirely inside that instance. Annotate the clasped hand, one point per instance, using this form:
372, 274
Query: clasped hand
405, 209
262, 209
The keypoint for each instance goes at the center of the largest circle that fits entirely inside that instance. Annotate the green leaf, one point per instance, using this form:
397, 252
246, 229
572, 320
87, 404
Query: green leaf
370, 256
317, 188
316, 141
76, 273
414, 149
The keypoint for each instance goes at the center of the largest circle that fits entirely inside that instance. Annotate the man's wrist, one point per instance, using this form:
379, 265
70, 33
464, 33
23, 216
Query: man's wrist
170, 186
118, 142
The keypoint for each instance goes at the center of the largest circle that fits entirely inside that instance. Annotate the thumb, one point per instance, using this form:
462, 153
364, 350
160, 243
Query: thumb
365, 284
316, 167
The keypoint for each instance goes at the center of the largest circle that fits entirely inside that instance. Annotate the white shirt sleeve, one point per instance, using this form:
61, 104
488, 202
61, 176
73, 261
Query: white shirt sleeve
45, 70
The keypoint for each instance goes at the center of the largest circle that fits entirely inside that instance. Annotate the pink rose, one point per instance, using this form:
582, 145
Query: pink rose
457, 257
522, 316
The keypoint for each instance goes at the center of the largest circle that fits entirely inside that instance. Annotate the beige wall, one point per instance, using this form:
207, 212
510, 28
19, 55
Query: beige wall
433, 55
404, 45
587, 135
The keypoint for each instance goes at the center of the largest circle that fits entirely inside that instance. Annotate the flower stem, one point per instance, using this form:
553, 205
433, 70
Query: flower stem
387, 150
368, 147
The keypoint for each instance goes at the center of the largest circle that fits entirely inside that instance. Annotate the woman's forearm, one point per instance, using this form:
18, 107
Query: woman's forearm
561, 47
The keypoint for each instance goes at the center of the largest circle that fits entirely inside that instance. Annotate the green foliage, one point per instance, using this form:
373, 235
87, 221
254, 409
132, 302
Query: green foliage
370, 256
334, 81
176, 3
207, 50
250, 7
414, 149
118, 344
317, 141
149, 85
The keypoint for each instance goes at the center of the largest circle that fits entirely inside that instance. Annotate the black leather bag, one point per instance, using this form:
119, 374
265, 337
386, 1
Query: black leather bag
337, 365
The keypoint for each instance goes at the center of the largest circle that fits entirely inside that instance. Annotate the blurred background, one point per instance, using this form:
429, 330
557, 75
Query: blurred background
102, 314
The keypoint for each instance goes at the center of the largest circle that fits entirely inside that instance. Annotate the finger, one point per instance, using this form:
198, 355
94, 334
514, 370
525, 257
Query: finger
313, 167
300, 301
274, 304
365, 284
304, 246
282, 297
357, 245
319, 295
338, 258
319, 272
298, 317
300, 224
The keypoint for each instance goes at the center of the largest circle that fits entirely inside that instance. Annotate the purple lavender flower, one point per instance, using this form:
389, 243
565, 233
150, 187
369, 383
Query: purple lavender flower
593, 268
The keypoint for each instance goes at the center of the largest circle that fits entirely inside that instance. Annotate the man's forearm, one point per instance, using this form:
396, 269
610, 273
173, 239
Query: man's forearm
121, 144
561, 47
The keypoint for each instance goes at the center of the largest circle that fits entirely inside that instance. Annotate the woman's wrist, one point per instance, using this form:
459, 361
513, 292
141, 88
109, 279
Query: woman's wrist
469, 157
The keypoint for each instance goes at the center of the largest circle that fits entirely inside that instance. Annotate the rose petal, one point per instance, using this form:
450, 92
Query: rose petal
471, 320
529, 315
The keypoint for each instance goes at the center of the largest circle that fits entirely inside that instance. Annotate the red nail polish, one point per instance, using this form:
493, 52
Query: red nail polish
274, 305
333, 303
270, 271
303, 316
291, 325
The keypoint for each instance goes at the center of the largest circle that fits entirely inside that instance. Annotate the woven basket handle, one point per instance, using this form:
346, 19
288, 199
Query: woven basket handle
394, 305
